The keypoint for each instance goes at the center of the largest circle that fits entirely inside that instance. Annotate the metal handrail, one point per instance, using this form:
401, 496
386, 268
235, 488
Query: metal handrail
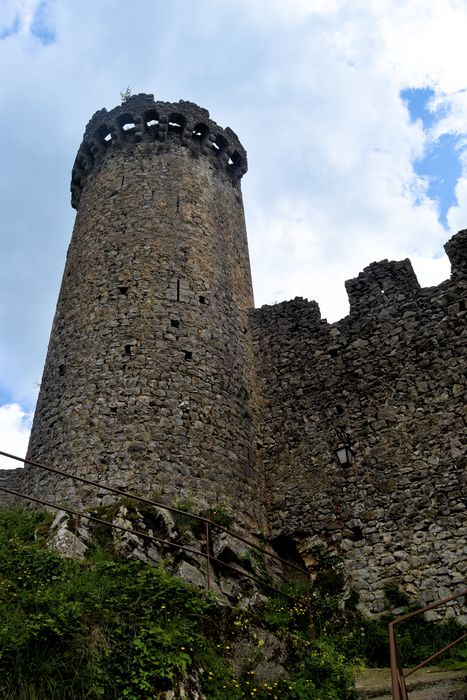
171, 509
207, 522
399, 689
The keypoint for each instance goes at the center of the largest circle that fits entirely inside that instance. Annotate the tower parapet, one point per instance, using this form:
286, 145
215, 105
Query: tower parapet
141, 119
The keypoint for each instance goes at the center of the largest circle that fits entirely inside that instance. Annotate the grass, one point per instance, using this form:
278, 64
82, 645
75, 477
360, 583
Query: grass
104, 628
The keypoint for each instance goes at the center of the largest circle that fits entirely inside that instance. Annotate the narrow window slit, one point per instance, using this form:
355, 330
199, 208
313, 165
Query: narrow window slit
178, 290
127, 349
178, 202
123, 180
188, 355
174, 323
249, 467
61, 370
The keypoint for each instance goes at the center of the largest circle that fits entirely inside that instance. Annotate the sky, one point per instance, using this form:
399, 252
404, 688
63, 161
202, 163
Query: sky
353, 113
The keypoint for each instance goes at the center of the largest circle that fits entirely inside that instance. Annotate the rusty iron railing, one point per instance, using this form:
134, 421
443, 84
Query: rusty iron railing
208, 524
398, 676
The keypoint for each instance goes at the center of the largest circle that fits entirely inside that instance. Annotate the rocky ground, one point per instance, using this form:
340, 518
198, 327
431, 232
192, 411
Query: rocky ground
426, 684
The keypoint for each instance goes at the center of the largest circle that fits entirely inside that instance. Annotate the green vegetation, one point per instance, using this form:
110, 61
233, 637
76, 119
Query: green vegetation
125, 95
220, 515
104, 628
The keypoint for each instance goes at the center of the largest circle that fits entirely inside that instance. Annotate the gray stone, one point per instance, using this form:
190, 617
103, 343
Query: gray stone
160, 374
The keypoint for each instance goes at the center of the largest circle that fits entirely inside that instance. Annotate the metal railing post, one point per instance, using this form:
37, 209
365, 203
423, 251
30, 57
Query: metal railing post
208, 557
399, 688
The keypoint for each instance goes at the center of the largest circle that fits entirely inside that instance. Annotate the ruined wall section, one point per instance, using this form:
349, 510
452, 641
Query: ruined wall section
147, 379
9, 479
392, 375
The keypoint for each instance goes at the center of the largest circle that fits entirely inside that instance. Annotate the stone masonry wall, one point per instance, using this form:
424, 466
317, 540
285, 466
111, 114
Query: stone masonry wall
391, 375
146, 382
9, 479
161, 378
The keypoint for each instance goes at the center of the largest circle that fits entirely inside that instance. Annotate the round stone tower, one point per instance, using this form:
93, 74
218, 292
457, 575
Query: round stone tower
147, 382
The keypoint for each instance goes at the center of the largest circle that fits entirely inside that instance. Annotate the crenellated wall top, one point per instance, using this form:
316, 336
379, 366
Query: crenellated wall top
383, 283
139, 119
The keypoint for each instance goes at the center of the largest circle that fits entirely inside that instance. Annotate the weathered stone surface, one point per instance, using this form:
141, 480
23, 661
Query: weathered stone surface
161, 377
191, 574
68, 536
147, 379
10, 479
228, 548
392, 376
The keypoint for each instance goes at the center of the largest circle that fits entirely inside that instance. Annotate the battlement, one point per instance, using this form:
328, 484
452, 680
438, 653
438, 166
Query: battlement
384, 284
390, 282
456, 250
381, 282
141, 119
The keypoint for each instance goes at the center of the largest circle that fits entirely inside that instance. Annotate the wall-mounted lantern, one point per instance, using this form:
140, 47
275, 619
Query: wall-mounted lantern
344, 452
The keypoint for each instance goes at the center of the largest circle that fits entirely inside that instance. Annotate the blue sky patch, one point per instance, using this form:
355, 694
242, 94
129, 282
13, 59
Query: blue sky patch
5, 397
440, 164
417, 101
12, 29
41, 26
442, 167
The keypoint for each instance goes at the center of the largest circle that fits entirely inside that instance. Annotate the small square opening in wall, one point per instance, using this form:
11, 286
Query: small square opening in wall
175, 323
123, 290
357, 533
202, 299
188, 355
127, 349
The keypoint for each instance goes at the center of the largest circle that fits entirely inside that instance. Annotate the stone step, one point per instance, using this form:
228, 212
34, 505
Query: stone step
426, 684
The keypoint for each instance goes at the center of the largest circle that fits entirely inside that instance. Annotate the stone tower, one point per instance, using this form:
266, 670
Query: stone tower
147, 382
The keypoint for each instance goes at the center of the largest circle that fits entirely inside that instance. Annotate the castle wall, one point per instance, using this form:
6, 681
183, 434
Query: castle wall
391, 375
146, 383
160, 377
10, 479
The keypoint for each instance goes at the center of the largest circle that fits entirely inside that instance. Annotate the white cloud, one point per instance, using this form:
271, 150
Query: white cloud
351, 144
15, 426
311, 88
